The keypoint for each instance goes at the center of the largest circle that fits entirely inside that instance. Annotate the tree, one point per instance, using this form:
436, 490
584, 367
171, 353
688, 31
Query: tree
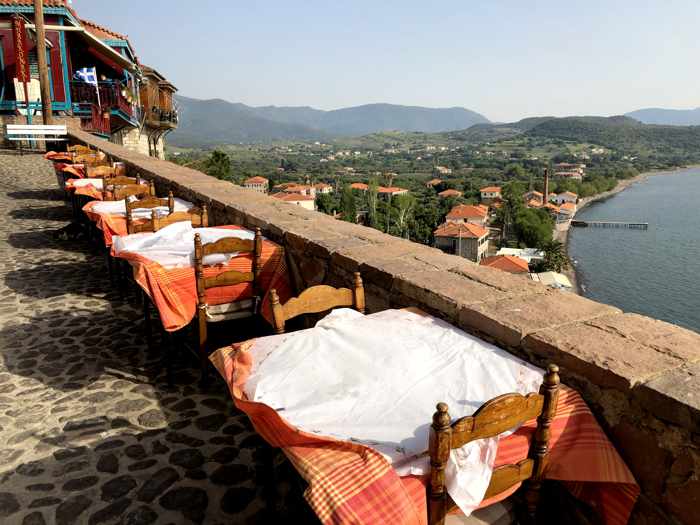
404, 208
218, 165
533, 227
555, 259
326, 203
347, 204
372, 192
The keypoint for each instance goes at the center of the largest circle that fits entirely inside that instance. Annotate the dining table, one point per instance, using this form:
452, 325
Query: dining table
110, 216
163, 266
350, 402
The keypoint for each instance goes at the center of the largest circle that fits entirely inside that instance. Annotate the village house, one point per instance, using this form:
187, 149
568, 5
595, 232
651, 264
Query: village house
131, 105
361, 186
490, 194
322, 187
506, 263
305, 201
260, 184
527, 254
443, 170
565, 196
467, 240
566, 211
533, 199
392, 190
433, 182
449, 193
566, 170
468, 213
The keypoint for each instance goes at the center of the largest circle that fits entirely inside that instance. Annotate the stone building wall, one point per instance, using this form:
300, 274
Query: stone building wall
136, 139
640, 376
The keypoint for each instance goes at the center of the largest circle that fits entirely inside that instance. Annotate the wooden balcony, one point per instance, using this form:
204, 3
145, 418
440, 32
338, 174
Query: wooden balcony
110, 97
161, 118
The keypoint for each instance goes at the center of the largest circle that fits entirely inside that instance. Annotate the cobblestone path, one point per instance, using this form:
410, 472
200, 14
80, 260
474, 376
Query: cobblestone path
89, 431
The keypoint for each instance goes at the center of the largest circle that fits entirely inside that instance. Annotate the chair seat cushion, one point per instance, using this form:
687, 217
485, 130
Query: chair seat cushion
228, 311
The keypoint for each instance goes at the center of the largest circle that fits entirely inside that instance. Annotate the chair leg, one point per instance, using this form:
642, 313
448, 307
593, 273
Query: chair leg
168, 348
147, 319
203, 357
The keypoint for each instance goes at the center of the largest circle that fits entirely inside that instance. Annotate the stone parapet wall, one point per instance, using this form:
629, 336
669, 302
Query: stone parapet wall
640, 376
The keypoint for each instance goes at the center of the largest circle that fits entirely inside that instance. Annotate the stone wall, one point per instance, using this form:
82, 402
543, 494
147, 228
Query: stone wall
640, 376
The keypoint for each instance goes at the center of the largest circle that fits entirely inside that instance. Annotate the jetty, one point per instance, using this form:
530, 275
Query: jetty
610, 224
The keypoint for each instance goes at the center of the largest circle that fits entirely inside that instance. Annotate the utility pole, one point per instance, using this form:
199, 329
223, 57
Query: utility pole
43, 68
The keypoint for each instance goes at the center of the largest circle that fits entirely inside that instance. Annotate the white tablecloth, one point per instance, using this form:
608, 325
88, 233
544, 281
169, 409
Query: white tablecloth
97, 183
376, 380
174, 245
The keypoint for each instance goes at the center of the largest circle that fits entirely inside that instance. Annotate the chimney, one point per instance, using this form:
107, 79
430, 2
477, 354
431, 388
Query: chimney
545, 198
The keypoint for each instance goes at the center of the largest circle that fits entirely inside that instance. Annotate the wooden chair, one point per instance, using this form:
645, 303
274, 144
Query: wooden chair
148, 202
100, 172
315, 300
494, 417
79, 149
119, 192
199, 217
236, 310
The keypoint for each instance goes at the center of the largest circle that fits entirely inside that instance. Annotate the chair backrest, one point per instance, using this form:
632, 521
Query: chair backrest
92, 158
79, 149
101, 172
229, 277
317, 299
199, 217
494, 417
119, 192
109, 184
148, 202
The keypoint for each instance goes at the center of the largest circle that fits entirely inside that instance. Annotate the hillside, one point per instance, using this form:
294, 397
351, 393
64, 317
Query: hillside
623, 134
669, 117
211, 122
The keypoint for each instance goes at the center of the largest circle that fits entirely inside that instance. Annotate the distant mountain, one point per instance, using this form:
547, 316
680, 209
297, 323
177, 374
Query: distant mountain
214, 122
669, 117
211, 122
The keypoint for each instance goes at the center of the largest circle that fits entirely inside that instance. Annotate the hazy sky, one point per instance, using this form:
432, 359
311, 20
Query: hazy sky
504, 59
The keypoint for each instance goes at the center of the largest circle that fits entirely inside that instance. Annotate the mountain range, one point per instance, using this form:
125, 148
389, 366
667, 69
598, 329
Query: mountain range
216, 121
670, 117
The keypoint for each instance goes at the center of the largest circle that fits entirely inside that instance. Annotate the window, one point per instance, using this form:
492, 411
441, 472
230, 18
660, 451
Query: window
2, 72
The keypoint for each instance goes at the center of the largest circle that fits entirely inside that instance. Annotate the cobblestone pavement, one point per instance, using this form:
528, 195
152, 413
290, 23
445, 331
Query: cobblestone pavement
89, 430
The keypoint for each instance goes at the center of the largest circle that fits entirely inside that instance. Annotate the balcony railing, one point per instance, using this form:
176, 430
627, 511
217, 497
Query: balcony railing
97, 123
110, 96
163, 117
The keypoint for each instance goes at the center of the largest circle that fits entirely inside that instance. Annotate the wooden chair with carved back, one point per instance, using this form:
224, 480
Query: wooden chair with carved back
494, 417
101, 172
146, 203
79, 149
123, 191
317, 299
206, 313
198, 217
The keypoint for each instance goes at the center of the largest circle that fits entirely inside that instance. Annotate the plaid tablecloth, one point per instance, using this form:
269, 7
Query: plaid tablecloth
352, 483
174, 290
58, 156
109, 223
86, 190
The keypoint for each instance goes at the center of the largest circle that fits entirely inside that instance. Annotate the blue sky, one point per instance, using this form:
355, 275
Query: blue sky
505, 59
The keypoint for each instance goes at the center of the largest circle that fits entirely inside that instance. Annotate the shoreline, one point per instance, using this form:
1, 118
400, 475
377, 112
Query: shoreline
563, 236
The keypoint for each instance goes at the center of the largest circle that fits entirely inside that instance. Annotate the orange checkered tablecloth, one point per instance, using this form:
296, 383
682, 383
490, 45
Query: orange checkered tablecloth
58, 156
109, 223
174, 291
87, 190
352, 483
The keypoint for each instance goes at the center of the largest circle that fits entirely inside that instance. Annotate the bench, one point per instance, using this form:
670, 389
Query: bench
32, 132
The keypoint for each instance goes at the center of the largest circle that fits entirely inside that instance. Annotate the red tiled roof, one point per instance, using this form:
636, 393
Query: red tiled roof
490, 189
102, 32
359, 186
292, 197
321, 185
450, 193
461, 230
568, 206
390, 189
569, 194
255, 180
467, 211
433, 182
507, 263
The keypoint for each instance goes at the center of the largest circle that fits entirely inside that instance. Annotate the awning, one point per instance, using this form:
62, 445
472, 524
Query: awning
110, 56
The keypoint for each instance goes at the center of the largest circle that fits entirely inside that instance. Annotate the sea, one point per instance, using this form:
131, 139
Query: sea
655, 272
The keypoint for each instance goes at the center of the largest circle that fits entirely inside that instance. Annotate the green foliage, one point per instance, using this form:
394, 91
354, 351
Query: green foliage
348, 207
327, 203
555, 259
533, 227
218, 165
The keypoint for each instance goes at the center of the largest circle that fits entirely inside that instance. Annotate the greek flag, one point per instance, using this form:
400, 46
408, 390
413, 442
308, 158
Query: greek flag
87, 74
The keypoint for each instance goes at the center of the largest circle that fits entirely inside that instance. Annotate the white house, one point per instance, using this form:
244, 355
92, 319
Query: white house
490, 193
259, 184
565, 196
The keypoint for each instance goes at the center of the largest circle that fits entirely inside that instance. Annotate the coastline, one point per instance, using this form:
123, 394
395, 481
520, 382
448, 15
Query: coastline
563, 236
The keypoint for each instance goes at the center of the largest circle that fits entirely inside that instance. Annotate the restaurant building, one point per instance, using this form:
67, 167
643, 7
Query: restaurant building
129, 104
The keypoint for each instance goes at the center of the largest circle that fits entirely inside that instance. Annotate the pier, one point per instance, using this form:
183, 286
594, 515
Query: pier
610, 224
